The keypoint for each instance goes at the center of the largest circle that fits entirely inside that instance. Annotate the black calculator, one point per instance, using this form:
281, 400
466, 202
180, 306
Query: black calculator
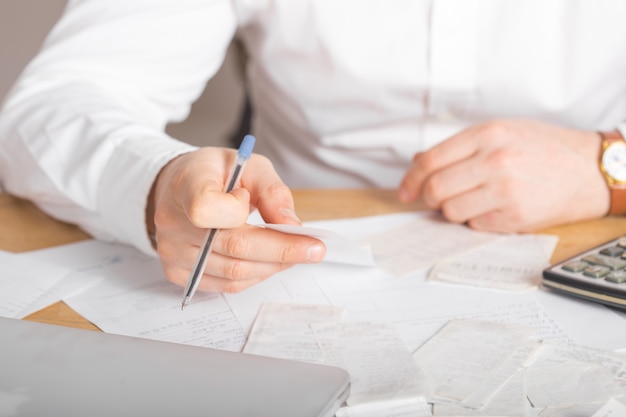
598, 274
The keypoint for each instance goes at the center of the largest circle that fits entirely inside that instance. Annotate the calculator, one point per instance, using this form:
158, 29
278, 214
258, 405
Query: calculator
598, 274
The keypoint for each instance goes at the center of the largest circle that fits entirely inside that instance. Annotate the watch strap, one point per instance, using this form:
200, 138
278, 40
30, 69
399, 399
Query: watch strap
617, 189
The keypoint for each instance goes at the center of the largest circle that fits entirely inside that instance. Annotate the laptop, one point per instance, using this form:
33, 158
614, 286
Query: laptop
49, 370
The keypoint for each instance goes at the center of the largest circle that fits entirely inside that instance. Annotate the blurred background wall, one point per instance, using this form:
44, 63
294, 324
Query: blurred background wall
214, 117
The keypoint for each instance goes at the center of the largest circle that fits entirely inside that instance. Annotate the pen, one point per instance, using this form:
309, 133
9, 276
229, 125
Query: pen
243, 154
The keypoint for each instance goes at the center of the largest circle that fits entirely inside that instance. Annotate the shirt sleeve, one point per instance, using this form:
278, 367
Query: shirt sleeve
82, 131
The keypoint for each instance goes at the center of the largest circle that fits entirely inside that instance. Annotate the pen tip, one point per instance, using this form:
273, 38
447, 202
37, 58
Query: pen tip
182, 306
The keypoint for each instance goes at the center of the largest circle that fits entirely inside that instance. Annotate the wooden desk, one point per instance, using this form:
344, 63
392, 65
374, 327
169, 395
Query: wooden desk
23, 227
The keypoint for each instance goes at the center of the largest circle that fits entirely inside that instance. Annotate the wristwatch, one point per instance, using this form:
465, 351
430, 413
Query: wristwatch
613, 166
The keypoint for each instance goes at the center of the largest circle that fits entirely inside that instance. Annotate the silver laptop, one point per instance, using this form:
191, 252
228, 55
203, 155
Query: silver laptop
48, 370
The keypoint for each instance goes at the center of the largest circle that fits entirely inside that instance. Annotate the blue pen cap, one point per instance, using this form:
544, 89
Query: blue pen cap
247, 144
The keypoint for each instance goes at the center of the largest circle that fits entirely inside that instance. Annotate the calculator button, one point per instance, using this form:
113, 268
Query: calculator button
607, 261
596, 271
575, 266
617, 277
612, 251
622, 243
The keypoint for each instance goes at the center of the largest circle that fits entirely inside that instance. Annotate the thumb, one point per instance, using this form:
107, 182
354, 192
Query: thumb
201, 196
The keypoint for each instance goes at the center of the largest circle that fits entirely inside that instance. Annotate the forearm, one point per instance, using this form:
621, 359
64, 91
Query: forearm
92, 167
81, 134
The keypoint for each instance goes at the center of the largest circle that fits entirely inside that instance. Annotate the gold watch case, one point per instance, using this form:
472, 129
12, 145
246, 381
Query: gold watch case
613, 161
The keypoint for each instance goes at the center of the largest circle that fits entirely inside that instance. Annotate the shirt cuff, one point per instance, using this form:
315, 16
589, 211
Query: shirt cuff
126, 184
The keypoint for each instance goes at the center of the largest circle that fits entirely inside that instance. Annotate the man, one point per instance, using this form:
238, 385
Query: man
487, 110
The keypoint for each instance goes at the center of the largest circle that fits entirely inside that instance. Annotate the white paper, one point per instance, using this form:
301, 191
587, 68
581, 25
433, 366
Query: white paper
339, 248
568, 383
418, 309
409, 248
380, 366
578, 410
469, 360
134, 298
612, 408
77, 258
24, 281
513, 262
283, 331
509, 401
564, 375
410, 407
360, 228
579, 320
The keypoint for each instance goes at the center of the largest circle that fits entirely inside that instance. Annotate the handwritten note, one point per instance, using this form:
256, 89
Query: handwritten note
469, 360
411, 247
380, 366
513, 262
134, 298
283, 331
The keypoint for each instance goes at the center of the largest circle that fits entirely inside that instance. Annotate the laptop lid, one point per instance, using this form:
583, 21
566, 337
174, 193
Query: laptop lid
53, 370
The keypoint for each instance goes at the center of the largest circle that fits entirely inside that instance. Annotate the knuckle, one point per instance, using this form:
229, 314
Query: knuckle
516, 219
428, 161
493, 130
501, 159
195, 212
292, 254
236, 270
235, 245
278, 191
434, 189
278, 188
452, 213
508, 192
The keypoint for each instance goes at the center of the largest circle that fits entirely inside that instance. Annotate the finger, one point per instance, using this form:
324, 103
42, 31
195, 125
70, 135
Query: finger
223, 285
222, 273
239, 273
458, 147
265, 245
247, 243
492, 221
269, 193
455, 179
202, 193
472, 204
210, 283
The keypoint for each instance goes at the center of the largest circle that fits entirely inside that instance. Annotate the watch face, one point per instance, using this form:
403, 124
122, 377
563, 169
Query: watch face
614, 161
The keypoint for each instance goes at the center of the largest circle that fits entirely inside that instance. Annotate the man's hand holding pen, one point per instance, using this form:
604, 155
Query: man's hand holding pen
188, 198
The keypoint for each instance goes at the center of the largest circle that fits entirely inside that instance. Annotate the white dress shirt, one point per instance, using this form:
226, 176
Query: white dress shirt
344, 91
